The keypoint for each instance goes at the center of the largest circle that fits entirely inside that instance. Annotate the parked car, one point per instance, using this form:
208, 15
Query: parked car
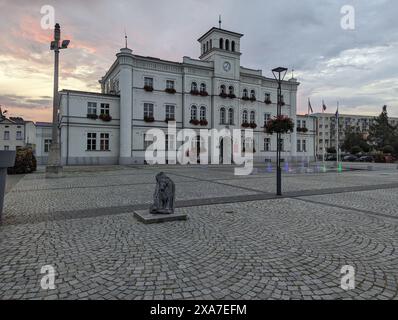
350, 158
365, 159
331, 157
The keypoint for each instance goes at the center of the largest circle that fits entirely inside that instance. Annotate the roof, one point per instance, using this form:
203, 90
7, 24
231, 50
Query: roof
90, 93
44, 124
220, 30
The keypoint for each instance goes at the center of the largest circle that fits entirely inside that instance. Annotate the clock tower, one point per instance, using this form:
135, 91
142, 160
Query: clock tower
223, 48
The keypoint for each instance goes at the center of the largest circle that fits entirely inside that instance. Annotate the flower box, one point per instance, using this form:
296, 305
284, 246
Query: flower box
105, 117
195, 122
204, 122
252, 99
149, 119
204, 93
231, 96
281, 124
92, 116
303, 130
245, 125
223, 95
169, 120
170, 90
148, 88
195, 92
245, 98
253, 125
268, 101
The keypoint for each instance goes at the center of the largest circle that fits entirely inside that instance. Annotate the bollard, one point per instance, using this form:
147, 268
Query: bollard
7, 159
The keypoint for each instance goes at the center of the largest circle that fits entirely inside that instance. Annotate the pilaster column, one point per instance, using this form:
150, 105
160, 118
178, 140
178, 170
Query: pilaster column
125, 58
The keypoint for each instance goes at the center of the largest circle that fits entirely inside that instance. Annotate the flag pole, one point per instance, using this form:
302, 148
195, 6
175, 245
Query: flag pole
323, 134
337, 139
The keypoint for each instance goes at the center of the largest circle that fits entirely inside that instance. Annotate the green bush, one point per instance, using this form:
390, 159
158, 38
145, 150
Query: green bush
388, 149
356, 149
25, 162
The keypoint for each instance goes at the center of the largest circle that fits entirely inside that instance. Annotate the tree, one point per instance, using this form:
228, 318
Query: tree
353, 138
356, 149
381, 132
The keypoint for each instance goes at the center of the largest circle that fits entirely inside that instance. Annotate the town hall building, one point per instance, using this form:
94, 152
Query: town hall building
140, 93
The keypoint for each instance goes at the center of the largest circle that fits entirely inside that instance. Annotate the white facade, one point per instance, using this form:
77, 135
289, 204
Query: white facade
16, 132
134, 96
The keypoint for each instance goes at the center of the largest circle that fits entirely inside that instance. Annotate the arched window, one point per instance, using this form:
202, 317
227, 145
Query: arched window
194, 113
231, 90
194, 86
203, 87
203, 113
227, 44
231, 116
222, 115
244, 116
245, 94
221, 43
253, 94
252, 117
223, 89
233, 46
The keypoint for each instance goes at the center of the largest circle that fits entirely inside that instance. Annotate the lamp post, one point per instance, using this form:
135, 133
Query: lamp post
279, 74
54, 167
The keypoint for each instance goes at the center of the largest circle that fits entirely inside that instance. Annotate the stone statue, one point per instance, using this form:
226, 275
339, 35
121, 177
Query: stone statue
164, 196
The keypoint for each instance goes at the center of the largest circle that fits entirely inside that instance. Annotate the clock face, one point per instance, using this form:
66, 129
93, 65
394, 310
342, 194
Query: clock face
227, 66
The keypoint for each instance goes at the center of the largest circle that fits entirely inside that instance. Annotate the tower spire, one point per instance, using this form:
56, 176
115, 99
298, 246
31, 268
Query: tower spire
125, 37
219, 21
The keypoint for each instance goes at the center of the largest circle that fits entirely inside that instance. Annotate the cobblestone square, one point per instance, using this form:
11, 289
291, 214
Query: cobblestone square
240, 241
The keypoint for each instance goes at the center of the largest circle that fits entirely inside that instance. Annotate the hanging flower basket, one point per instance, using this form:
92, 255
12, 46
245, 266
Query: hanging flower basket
148, 88
195, 122
105, 117
170, 90
149, 119
281, 124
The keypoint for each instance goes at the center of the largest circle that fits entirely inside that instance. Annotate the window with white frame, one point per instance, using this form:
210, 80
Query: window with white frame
148, 140
6, 135
6, 147
231, 90
245, 93
104, 108
252, 94
194, 86
267, 144
267, 117
244, 116
231, 116
304, 124
91, 107
170, 112
148, 82
223, 89
19, 135
194, 113
222, 116
170, 84
203, 113
104, 141
91, 141
203, 87
47, 144
298, 123
248, 145
252, 117
304, 145
148, 110
267, 96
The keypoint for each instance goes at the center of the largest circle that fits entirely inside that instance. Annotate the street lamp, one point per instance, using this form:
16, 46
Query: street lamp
54, 167
279, 74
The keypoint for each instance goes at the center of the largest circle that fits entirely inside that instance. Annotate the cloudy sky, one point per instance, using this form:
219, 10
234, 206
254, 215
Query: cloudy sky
357, 67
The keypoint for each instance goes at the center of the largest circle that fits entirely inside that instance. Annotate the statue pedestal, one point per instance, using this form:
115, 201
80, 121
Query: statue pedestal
149, 218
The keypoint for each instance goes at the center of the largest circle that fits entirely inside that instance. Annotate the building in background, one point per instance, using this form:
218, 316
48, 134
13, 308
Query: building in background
326, 125
15, 132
